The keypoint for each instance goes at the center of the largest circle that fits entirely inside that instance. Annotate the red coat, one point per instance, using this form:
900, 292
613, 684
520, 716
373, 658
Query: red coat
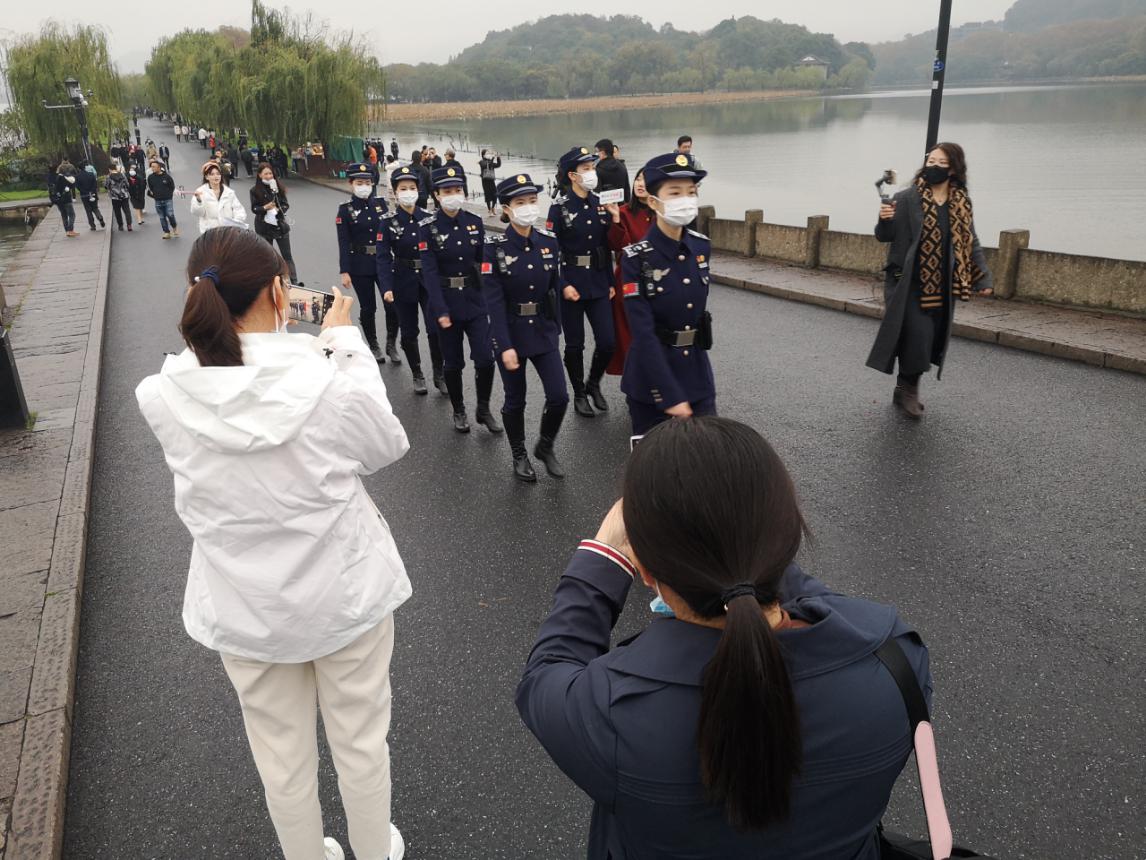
633, 227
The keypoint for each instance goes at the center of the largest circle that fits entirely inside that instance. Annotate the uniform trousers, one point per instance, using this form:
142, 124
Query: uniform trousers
367, 289
549, 367
352, 689
600, 314
452, 340
645, 416
408, 325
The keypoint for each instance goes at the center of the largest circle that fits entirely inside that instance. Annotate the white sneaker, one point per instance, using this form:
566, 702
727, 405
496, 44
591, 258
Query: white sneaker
397, 843
331, 850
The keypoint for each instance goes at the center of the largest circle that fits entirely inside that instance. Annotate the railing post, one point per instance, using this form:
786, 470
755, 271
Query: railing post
1011, 245
817, 224
751, 218
703, 216
13, 406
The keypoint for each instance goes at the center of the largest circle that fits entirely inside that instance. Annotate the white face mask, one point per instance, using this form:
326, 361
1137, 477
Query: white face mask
362, 191
525, 216
452, 203
407, 198
71, 179
588, 179
272, 184
679, 211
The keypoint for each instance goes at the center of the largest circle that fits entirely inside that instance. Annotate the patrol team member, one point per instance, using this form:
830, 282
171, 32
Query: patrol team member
450, 243
357, 224
665, 284
521, 282
400, 276
581, 225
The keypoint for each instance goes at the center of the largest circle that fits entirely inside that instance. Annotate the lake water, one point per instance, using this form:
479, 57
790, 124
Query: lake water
1066, 162
13, 234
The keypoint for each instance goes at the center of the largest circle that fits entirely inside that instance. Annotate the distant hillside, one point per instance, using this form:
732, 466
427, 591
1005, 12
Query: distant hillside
576, 56
1028, 16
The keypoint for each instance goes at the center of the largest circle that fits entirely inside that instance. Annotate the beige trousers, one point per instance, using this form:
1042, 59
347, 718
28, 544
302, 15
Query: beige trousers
352, 687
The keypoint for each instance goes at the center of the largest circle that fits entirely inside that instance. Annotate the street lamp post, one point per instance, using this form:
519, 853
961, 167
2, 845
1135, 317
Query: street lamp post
938, 71
79, 105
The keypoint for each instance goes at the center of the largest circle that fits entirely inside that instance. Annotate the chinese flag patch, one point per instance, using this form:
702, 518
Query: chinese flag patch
629, 289
487, 268
338, 220
378, 238
421, 246
548, 225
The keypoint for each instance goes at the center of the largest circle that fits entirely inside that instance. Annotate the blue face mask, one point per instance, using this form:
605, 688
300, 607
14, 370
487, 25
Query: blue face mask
659, 607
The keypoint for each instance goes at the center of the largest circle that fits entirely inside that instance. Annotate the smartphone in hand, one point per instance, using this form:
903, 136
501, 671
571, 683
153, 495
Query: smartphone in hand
308, 306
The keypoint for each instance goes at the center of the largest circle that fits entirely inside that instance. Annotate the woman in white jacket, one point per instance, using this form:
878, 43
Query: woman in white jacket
214, 203
294, 574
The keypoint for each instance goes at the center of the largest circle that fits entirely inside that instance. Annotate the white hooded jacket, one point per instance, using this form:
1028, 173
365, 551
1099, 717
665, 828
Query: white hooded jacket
212, 211
291, 559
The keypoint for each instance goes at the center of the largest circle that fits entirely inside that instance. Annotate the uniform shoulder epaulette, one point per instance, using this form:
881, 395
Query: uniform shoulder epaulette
637, 248
494, 238
426, 221
545, 232
698, 235
560, 199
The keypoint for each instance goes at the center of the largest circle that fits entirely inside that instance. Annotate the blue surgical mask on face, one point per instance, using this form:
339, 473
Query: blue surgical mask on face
659, 607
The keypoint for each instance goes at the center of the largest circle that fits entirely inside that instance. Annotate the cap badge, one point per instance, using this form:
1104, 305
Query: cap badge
405, 170
451, 172
521, 179
584, 151
682, 160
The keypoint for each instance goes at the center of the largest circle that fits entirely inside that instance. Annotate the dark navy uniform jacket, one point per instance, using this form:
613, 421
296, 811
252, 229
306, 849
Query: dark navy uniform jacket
452, 248
622, 723
398, 242
656, 373
531, 276
357, 225
582, 228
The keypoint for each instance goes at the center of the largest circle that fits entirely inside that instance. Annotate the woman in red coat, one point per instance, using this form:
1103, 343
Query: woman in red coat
630, 224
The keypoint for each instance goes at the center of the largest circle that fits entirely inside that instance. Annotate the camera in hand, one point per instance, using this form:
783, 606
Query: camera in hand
309, 306
889, 178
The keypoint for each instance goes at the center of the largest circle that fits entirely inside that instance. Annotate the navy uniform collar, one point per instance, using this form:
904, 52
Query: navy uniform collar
670, 247
512, 237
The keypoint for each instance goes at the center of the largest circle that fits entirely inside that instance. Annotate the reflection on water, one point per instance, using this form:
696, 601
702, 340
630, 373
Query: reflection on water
13, 234
1064, 162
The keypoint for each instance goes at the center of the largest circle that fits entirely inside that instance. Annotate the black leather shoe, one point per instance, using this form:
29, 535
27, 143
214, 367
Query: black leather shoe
593, 389
581, 406
485, 417
523, 469
440, 383
419, 384
461, 422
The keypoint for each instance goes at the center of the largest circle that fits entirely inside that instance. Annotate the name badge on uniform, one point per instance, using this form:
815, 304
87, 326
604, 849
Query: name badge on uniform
701, 262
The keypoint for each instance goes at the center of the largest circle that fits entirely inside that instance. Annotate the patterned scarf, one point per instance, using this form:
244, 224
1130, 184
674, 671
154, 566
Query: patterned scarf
930, 264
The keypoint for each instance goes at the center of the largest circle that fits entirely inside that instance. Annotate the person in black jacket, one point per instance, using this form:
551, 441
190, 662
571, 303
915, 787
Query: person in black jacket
61, 188
424, 182
270, 205
87, 186
488, 164
161, 188
611, 173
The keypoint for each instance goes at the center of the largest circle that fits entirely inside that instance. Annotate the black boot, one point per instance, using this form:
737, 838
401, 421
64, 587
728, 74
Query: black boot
457, 398
575, 367
370, 333
551, 419
414, 358
436, 364
515, 432
392, 350
596, 371
484, 384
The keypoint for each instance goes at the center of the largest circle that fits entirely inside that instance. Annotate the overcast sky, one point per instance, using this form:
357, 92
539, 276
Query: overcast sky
434, 32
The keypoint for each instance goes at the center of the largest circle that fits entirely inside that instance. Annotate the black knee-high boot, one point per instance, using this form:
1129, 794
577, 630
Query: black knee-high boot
551, 419
457, 398
414, 359
575, 367
600, 361
436, 363
483, 379
515, 432
370, 333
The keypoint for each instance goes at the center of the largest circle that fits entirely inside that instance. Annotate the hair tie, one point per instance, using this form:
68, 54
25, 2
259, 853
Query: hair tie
210, 273
743, 589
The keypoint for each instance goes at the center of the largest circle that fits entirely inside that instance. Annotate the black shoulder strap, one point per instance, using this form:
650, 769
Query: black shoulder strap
502, 265
895, 661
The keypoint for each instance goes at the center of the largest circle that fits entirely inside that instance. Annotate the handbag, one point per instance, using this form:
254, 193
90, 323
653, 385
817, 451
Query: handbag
940, 845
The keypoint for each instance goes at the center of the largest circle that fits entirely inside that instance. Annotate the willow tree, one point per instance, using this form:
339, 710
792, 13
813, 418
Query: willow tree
37, 67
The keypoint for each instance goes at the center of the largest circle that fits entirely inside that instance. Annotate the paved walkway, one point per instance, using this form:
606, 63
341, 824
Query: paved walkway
59, 287
1006, 527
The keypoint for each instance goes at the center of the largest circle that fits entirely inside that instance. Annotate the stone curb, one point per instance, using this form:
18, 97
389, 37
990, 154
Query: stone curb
970, 331
37, 818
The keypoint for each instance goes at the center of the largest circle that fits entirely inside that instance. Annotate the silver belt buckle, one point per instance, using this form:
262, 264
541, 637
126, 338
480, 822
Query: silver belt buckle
527, 309
456, 283
584, 260
685, 338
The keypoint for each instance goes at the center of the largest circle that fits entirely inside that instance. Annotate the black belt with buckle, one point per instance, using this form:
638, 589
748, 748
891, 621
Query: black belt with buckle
369, 250
459, 283
416, 265
526, 309
598, 258
679, 339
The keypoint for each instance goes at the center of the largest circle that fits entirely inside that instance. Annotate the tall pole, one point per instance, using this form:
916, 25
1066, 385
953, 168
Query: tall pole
938, 70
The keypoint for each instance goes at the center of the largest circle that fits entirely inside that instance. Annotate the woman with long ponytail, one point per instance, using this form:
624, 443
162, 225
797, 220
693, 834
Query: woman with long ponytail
751, 719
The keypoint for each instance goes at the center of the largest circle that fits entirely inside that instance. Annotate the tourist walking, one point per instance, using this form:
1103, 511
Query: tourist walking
119, 193
935, 259
294, 575
521, 280
752, 719
451, 246
202, 137
425, 181
214, 204
611, 172
178, 131
87, 187
137, 190
582, 228
63, 196
165, 154
358, 224
269, 204
488, 165
665, 286
161, 188
631, 222
400, 278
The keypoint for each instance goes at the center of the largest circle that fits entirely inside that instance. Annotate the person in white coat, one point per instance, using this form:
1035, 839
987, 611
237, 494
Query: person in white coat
214, 203
294, 574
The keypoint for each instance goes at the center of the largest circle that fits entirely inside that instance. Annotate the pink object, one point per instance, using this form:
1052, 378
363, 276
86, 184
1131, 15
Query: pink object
926, 760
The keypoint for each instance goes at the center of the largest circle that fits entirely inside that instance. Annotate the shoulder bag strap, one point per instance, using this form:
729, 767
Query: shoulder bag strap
923, 740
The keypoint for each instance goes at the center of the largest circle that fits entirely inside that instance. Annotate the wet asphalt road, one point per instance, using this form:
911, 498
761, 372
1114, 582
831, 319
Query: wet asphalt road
1008, 527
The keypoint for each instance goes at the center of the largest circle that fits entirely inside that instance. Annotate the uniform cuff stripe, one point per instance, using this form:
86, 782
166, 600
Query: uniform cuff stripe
606, 551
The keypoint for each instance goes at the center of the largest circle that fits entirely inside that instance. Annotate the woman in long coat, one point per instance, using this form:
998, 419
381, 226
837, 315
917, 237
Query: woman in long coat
934, 259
